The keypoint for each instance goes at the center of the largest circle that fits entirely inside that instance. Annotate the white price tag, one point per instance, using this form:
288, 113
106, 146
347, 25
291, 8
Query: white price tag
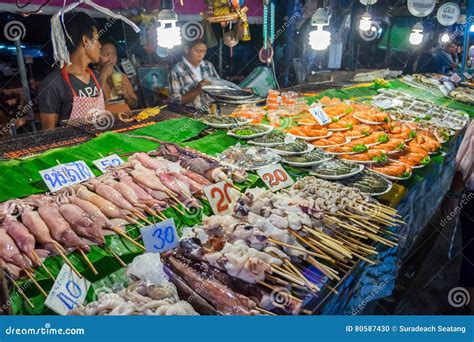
68, 291
467, 75
64, 175
455, 78
444, 90
160, 237
109, 161
221, 196
449, 86
320, 115
275, 177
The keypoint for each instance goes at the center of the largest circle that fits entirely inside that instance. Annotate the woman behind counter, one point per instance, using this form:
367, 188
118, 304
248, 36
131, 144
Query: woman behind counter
115, 84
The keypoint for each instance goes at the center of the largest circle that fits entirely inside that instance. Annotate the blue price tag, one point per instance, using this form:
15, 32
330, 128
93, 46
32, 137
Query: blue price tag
160, 237
320, 115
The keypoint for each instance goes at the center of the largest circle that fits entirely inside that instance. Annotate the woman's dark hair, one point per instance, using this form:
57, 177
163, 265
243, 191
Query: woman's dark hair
156, 75
77, 25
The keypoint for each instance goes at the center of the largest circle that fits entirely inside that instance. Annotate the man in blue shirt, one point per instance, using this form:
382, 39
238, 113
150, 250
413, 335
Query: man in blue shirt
444, 59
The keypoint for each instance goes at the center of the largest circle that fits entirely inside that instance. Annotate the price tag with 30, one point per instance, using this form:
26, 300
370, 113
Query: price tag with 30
320, 115
68, 291
109, 161
221, 196
160, 237
275, 177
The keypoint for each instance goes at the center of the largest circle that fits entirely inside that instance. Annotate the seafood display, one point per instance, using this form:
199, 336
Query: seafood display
304, 240
272, 139
369, 183
314, 157
406, 107
336, 169
222, 121
142, 296
393, 170
292, 148
249, 158
250, 131
310, 133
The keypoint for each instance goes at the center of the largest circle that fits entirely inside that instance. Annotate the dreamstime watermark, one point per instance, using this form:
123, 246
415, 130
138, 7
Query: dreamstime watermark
460, 30
46, 330
369, 298
464, 201
281, 297
102, 120
192, 31
23, 287
459, 297
14, 30
22, 111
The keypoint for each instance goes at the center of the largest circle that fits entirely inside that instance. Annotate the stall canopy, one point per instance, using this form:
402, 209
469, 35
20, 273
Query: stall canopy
188, 11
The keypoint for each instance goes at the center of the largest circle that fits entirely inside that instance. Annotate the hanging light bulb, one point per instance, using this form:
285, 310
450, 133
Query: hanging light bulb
445, 38
320, 39
167, 33
416, 35
365, 22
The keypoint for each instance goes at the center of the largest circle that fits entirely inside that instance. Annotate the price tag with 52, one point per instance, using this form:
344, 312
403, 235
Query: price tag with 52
110, 161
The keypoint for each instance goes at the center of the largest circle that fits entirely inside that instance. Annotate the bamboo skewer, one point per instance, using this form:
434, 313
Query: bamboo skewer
132, 220
66, 260
38, 286
323, 255
20, 291
155, 214
276, 242
327, 270
276, 289
277, 280
308, 283
38, 260
128, 238
178, 210
143, 218
115, 255
265, 311
88, 262
278, 270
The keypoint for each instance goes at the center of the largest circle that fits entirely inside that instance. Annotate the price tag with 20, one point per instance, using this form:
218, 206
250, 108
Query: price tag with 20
68, 291
160, 237
221, 196
275, 177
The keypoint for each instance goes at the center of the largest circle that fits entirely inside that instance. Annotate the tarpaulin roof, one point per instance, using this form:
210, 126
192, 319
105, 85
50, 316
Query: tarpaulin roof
189, 11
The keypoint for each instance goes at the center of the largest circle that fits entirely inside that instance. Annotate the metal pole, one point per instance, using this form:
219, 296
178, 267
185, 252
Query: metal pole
470, 14
30, 116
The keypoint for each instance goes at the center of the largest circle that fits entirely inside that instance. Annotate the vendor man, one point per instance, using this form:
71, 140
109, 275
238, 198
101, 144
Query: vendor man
189, 75
444, 59
74, 91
